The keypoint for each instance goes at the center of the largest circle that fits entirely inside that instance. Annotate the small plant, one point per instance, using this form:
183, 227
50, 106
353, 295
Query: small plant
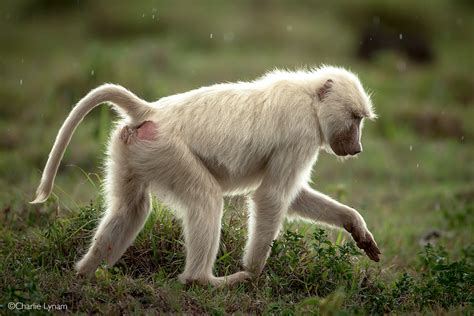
315, 266
305, 273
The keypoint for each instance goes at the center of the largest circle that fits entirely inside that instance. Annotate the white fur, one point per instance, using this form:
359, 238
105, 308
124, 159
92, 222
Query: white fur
261, 137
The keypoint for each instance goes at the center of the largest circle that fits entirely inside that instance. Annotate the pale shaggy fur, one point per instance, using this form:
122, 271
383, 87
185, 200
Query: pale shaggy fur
261, 137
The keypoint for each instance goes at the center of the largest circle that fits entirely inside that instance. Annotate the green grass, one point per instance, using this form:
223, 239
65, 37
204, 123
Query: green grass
414, 177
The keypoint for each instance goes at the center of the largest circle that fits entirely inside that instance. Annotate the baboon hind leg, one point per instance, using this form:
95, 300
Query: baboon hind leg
127, 209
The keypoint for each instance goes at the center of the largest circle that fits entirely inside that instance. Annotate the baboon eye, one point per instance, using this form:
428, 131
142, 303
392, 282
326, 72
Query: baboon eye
357, 116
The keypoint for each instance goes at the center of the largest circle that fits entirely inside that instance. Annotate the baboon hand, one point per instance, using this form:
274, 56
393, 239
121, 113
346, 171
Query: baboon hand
364, 240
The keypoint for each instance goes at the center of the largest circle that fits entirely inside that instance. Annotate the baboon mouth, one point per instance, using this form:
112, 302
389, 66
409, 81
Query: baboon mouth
340, 150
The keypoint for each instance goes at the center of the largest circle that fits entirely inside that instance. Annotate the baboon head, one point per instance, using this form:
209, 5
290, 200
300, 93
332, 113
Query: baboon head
342, 106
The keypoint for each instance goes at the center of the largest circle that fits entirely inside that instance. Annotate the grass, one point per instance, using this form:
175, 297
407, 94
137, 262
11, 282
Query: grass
414, 179
306, 272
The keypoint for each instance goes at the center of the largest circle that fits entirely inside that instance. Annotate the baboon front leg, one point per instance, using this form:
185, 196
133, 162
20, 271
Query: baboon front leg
269, 204
316, 206
266, 216
202, 225
181, 179
124, 218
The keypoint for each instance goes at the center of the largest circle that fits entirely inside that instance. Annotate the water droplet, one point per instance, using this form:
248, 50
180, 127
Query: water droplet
21, 82
211, 36
400, 36
411, 147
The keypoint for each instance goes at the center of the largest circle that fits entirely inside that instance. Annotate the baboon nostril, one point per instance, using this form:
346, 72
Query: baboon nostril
355, 151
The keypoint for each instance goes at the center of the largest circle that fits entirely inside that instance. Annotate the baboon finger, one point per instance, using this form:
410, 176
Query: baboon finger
373, 252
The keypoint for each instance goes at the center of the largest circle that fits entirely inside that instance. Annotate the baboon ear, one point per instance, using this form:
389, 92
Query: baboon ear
325, 89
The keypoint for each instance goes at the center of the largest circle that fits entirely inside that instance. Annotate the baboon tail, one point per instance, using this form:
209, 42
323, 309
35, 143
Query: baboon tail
124, 101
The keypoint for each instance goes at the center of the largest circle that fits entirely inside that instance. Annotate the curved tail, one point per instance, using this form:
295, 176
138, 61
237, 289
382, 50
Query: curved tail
125, 102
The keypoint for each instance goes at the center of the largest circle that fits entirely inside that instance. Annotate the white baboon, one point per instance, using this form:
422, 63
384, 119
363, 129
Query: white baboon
190, 149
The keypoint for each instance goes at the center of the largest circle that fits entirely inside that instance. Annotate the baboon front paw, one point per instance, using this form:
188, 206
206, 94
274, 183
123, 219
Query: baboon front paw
238, 277
364, 241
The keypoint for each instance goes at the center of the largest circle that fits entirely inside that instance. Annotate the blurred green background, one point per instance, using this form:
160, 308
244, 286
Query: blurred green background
415, 176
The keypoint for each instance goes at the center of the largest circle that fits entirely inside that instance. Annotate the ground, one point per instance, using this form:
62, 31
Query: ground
414, 182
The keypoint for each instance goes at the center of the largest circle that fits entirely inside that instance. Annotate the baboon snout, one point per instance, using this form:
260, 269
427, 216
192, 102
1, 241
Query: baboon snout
354, 150
347, 143
342, 149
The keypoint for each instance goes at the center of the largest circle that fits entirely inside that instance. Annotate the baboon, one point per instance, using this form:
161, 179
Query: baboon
261, 138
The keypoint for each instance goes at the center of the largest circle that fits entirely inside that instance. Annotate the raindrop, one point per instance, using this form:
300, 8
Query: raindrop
211, 35
417, 165
411, 147
153, 16
400, 36
92, 72
21, 82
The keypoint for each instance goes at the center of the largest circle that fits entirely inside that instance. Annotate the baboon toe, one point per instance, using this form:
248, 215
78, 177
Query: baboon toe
370, 248
235, 278
365, 241
372, 252
238, 277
